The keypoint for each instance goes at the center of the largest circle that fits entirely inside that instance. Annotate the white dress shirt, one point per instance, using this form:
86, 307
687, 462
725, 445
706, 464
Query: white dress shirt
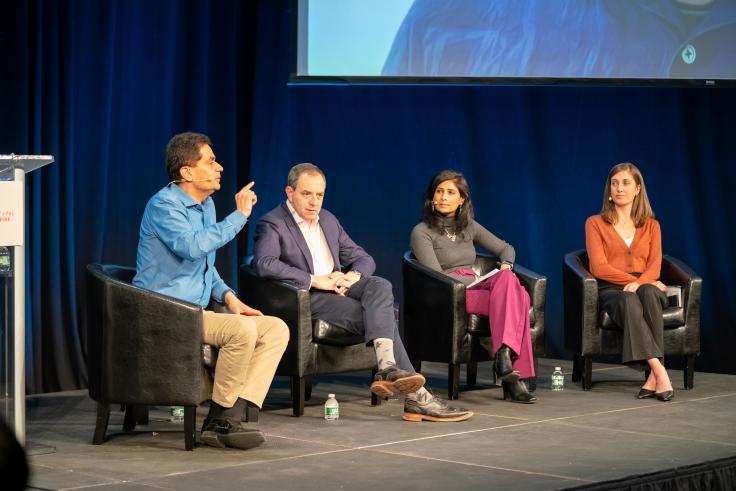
322, 259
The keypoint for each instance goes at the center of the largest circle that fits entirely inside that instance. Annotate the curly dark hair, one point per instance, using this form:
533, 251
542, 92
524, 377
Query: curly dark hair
463, 215
183, 149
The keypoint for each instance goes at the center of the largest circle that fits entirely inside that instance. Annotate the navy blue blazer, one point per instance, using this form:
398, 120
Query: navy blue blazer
281, 253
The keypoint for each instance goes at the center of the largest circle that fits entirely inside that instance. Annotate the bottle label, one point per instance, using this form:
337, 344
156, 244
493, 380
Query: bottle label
332, 412
558, 382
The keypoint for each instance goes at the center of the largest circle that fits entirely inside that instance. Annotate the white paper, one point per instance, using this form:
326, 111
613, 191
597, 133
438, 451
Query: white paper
481, 278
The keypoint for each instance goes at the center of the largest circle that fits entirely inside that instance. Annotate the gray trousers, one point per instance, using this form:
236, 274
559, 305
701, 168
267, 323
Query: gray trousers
367, 309
640, 316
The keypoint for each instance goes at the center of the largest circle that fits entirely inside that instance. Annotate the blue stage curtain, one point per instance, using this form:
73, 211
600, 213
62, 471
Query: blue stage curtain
104, 85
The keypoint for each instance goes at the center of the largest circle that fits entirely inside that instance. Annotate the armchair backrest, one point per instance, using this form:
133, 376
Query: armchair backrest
120, 273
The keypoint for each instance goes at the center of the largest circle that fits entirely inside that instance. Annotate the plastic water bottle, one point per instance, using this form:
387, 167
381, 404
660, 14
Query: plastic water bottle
177, 414
332, 408
558, 380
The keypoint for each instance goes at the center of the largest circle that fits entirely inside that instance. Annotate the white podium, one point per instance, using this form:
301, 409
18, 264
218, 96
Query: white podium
13, 169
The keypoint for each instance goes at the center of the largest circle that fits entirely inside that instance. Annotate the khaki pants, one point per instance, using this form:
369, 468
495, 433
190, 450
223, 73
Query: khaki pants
249, 352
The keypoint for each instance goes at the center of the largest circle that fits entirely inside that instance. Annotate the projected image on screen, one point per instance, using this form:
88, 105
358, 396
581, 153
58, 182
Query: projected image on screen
558, 39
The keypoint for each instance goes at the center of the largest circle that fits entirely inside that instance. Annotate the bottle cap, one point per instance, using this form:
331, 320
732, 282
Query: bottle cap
330, 395
558, 368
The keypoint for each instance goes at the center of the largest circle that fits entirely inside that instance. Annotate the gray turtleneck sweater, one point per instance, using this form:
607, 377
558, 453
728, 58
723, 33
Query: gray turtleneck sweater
435, 250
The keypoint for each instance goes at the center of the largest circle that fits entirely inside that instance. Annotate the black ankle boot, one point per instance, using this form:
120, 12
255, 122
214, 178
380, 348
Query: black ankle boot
517, 392
502, 363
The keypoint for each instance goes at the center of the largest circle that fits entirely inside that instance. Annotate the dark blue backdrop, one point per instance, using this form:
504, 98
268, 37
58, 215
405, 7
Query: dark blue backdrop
103, 87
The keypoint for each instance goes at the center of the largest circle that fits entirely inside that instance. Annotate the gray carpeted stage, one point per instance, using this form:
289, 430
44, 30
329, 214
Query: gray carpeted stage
568, 439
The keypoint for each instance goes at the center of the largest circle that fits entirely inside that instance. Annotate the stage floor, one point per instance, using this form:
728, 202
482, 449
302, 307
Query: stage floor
567, 439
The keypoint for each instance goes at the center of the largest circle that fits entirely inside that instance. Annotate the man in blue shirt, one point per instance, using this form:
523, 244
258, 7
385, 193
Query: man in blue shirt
176, 256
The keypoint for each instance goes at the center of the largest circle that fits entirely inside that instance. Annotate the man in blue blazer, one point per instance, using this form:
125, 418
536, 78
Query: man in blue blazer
300, 242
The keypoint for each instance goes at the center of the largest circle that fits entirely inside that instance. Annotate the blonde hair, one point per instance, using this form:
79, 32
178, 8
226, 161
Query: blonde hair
641, 210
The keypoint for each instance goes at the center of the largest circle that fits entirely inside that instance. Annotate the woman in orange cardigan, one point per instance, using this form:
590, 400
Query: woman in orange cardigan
624, 247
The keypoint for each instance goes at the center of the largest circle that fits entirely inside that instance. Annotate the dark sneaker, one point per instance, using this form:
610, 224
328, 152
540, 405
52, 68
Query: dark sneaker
229, 432
393, 380
434, 409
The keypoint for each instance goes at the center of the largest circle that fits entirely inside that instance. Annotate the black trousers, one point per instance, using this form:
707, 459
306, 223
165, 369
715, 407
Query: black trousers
367, 309
640, 316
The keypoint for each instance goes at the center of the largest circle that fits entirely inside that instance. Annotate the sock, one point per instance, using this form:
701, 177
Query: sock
422, 395
384, 352
221, 412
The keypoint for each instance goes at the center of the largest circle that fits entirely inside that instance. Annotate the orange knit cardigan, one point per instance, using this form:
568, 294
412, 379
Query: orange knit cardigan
613, 261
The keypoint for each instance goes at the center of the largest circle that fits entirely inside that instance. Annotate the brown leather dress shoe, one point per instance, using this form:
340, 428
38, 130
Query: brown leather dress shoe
434, 409
393, 380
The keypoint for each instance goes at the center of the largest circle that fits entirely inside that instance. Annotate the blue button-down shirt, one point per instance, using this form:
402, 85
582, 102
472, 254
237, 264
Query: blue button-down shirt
176, 249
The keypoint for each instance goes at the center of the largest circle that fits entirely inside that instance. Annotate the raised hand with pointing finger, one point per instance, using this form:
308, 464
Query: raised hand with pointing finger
245, 199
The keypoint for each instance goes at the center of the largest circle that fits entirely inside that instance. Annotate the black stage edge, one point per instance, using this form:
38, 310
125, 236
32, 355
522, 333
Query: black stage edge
717, 474
601, 439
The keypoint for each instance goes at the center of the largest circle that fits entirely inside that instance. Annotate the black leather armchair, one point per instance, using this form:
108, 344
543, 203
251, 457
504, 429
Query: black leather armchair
589, 331
437, 327
143, 349
315, 346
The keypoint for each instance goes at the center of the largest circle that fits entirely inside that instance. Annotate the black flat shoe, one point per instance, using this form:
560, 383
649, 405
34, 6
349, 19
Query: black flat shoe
502, 363
645, 394
666, 395
517, 392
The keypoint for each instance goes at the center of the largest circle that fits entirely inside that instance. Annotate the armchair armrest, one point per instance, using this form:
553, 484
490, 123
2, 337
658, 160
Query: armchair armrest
535, 284
283, 300
434, 308
676, 272
140, 331
581, 301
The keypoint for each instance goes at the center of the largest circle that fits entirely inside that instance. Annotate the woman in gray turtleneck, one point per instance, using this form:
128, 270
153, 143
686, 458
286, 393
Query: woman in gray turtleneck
445, 241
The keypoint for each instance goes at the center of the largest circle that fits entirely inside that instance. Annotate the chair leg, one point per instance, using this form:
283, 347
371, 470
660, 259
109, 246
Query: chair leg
375, 400
298, 387
587, 372
576, 368
103, 418
689, 373
141, 414
308, 387
132, 413
453, 381
532, 381
190, 423
472, 373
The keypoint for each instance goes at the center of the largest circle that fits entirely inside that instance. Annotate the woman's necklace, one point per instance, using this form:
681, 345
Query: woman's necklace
452, 236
